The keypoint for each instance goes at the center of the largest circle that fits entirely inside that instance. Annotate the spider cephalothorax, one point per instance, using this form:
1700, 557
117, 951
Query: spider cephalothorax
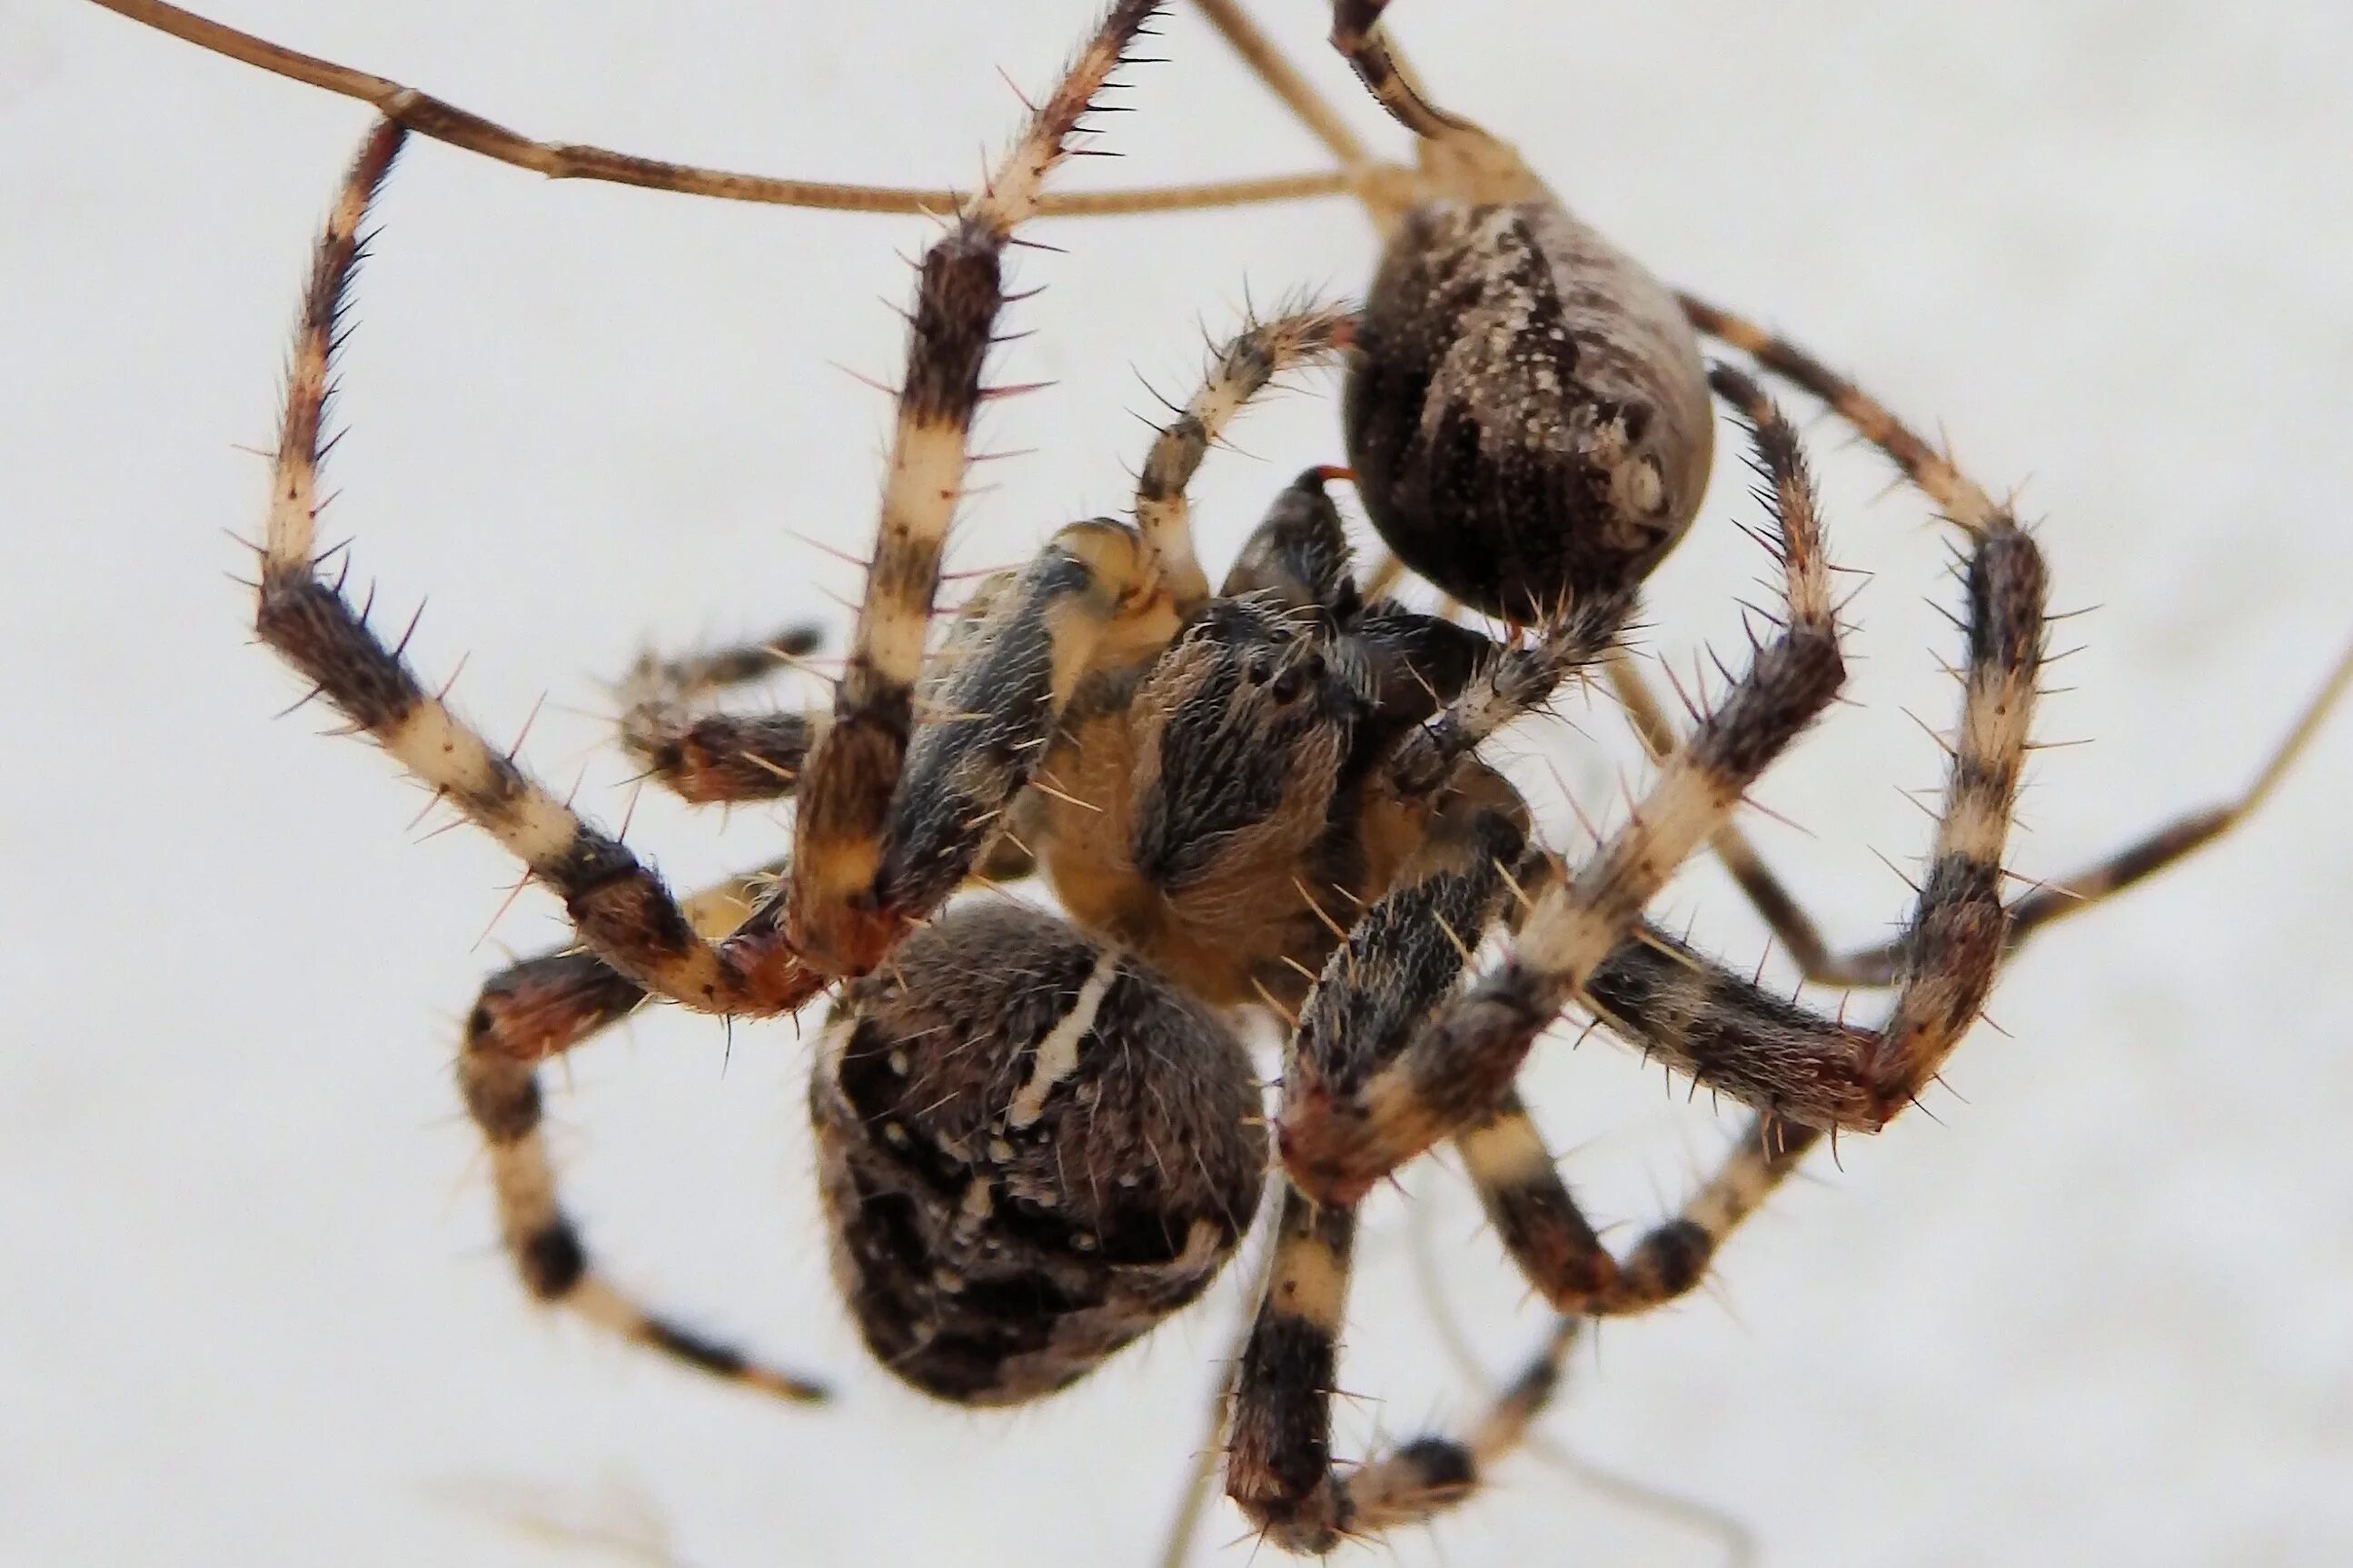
1264, 804
1221, 806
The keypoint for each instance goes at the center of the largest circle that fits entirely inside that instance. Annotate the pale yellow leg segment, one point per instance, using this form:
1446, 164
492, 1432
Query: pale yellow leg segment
1243, 368
837, 917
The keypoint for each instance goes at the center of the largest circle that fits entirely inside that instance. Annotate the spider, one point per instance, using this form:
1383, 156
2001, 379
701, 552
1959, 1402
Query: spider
1039, 1136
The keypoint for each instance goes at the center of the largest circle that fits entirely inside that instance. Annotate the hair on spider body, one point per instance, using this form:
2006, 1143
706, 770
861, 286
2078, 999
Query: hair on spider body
1032, 1148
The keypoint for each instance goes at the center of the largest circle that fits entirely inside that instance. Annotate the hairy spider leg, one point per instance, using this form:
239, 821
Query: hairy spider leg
621, 906
1959, 498
1390, 1058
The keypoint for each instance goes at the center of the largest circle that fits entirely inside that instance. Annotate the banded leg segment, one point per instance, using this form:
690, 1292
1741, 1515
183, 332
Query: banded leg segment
1423, 1477
1404, 954
1548, 1237
839, 915
1279, 1452
1773, 901
2136, 862
1783, 1060
1278, 1466
531, 1013
1242, 369
993, 709
1959, 498
621, 908
1357, 33
1515, 682
1461, 1062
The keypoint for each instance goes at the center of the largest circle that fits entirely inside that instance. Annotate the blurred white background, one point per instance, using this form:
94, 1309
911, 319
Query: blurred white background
2097, 1309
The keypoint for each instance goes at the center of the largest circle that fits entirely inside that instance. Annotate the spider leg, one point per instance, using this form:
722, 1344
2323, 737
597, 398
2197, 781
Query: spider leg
1960, 498
1557, 1249
991, 703
1729, 1024
1243, 367
426, 115
1696, 1016
1278, 1462
620, 907
1780, 1059
1384, 190
1279, 1451
707, 757
1791, 924
841, 913
1400, 960
2154, 851
1802, 1072
1357, 33
1512, 684
1454, 1067
1279, 1465
2061, 896
531, 1013
1201, 1473
1964, 502
528, 1014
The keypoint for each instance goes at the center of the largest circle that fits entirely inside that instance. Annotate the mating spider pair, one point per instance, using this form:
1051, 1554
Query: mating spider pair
1039, 1136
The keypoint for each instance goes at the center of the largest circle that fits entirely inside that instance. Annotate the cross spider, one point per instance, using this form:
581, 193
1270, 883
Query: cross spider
1039, 1135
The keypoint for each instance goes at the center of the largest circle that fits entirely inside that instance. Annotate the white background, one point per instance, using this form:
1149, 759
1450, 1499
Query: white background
2099, 1308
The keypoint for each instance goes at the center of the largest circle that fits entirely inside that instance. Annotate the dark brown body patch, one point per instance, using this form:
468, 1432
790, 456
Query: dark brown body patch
1032, 1149
1527, 413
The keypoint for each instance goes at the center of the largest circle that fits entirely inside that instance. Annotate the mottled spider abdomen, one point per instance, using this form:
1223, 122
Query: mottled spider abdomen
1032, 1149
1526, 411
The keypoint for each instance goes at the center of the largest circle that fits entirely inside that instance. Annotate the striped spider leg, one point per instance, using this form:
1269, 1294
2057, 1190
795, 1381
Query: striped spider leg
1006, 643
1968, 505
1447, 142
1390, 1057
706, 756
1386, 190
1378, 1083
863, 871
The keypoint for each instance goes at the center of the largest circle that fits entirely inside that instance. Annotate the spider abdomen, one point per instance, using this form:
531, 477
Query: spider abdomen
1526, 411
1032, 1149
